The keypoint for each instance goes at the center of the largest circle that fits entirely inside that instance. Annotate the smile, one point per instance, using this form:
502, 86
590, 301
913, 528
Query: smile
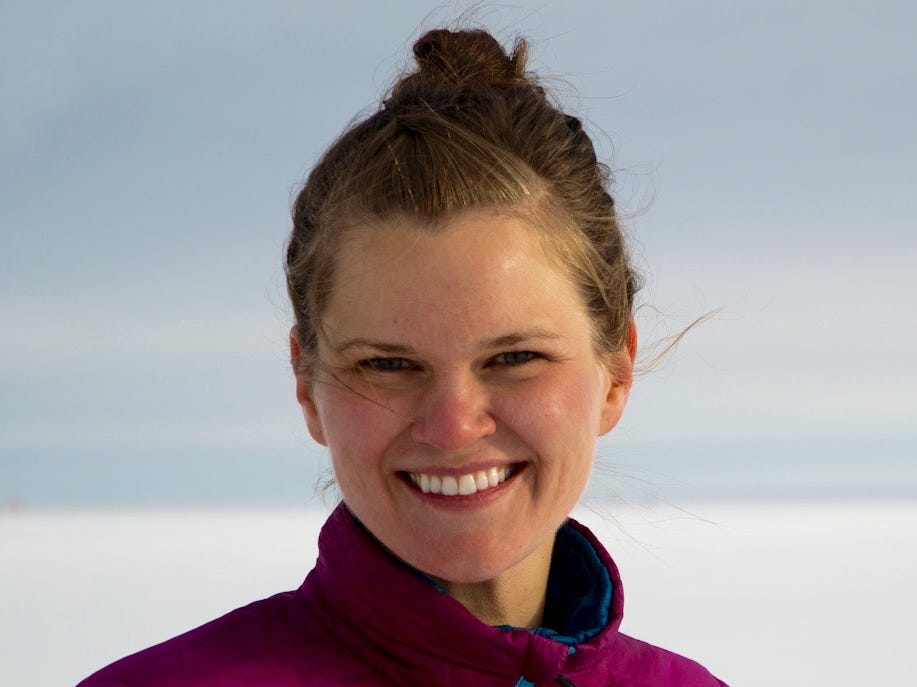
461, 485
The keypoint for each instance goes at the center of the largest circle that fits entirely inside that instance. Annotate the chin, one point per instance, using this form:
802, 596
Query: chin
474, 562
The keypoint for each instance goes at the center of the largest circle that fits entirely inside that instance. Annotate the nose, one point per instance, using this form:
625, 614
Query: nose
454, 412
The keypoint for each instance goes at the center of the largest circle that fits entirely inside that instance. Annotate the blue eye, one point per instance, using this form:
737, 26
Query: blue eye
385, 364
515, 357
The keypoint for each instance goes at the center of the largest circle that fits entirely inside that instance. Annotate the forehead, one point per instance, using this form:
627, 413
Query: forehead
480, 271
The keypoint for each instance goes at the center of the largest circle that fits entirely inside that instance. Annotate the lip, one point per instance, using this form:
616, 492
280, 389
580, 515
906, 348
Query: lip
443, 471
515, 469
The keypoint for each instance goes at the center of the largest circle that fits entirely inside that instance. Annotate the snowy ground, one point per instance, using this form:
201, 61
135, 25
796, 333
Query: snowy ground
796, 595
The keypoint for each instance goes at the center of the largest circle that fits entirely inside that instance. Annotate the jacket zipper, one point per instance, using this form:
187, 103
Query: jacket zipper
563, 682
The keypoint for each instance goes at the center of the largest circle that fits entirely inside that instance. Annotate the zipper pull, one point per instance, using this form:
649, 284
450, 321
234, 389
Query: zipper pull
563, 682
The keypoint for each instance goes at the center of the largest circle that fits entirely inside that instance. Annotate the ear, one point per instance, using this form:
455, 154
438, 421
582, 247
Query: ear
304, 389
621, 379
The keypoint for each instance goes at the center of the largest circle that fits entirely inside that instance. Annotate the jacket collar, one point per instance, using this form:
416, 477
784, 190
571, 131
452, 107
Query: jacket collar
404, 626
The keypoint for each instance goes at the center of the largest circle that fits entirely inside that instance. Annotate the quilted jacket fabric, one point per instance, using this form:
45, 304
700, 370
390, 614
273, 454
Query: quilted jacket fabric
363, 618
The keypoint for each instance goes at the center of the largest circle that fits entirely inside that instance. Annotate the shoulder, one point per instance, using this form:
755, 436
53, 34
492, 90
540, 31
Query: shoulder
278, 641
657, 667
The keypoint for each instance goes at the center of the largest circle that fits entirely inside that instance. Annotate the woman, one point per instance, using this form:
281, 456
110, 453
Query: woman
464, 333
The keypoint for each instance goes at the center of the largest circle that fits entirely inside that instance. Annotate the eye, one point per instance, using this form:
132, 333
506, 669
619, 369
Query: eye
385, 364
513, 358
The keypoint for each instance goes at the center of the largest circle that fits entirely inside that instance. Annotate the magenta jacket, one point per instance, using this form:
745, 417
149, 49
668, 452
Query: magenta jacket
364, 619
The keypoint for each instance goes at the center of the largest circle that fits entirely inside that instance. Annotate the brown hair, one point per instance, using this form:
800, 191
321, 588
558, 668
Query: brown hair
468, 130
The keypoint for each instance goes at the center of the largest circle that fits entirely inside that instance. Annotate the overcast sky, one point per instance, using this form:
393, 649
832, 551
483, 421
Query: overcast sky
150, 151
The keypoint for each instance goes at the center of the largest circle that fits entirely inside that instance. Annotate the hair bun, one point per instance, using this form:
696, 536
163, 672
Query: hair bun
469, 55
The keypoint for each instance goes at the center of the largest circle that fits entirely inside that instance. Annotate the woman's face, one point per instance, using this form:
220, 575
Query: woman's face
459, 393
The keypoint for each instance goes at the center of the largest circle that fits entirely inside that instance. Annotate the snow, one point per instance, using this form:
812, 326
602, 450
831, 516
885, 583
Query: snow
769, 593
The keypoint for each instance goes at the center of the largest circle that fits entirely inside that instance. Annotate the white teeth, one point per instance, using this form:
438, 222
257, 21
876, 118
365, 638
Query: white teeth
461, 485
466, 485
450, 486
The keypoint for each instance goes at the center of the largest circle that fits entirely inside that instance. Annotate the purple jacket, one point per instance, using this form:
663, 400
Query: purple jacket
363, 618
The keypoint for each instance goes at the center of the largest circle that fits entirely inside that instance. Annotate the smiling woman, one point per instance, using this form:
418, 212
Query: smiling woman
464, 334
435, 399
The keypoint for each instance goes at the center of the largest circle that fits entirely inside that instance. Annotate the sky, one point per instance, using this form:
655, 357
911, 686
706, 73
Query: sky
149, 153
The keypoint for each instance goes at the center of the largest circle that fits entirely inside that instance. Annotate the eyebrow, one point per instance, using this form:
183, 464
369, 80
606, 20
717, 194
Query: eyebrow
536, 333
368, 343
504, 340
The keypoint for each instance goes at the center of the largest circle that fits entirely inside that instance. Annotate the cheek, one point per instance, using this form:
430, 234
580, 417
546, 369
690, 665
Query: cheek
357, 429
558, 418
560, 407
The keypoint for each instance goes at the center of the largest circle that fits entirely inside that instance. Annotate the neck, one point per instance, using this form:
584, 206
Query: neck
516, 597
